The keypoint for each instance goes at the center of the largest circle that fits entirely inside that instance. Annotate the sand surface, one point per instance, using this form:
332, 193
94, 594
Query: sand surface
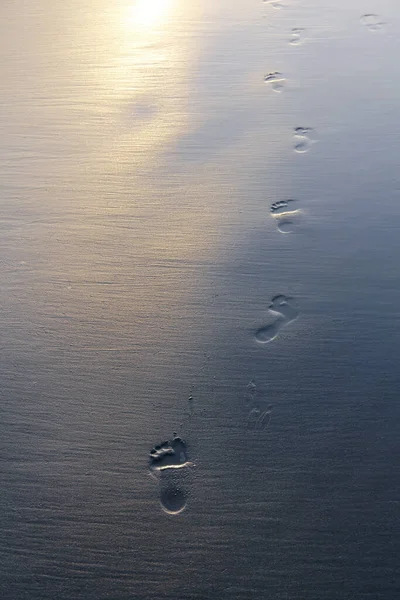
199, 263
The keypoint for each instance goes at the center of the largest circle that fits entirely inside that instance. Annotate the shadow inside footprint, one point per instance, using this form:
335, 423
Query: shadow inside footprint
285, 226
164, 461
286, 310
169, 455
173, 499
269, 332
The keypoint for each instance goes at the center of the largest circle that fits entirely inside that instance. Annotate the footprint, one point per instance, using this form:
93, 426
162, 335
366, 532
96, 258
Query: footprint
274, 3
165, 460
280, 206
169, 455
276, 81
298, 36
286, 312
303, 139
372, 22
259, 413
302, 130
284, 215
250, 393
258, 419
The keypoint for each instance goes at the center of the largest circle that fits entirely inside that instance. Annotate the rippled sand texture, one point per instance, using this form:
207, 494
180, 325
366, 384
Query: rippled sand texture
199, 300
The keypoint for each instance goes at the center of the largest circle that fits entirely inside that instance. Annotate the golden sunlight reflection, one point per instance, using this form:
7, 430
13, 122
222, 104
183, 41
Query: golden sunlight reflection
129, 69
146, 112
131, 72
147, 13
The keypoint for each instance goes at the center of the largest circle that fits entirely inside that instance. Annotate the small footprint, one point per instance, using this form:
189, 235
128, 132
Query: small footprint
372, 22
274, 3
284, 215
165, 460
298, 36
258, 418
259, 413
286, 311
303, 139
251, 391
302, 130
276, 81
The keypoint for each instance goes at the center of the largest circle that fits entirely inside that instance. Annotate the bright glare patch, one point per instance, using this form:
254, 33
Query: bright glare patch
147, 13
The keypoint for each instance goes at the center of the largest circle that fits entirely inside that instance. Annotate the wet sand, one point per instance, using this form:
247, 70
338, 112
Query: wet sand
200, 300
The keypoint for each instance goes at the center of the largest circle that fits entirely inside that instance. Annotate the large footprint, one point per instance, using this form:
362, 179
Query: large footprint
286, 312
165, 460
